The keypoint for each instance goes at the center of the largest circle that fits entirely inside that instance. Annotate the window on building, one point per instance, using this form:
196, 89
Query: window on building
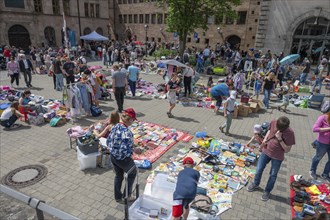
129, 1
250, 28
91, 10
159, 40
165, 18
141, 1
258, 3
218, 19
241, 17
252, 12
209, 20
229, 20
50, 36
159, 18
130, 20
120, 2
86, 10
120, 19
37, 6
141, 19
14, 3
125, 19
97, 10
152, 39
247, 45
206, 41
197, 41
147, 38
56, 7
153, 18
255, 20
188, 39
253, 37
147, 18
135, 19
134, 1
66, 7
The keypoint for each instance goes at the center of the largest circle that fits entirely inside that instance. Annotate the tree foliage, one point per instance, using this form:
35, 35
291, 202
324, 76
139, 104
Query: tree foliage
185, 16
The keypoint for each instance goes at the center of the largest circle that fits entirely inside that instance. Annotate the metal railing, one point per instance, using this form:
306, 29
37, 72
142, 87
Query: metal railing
39, 205
126, 186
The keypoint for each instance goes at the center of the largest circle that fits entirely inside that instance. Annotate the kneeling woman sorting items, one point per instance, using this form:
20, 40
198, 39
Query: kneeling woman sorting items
10, 115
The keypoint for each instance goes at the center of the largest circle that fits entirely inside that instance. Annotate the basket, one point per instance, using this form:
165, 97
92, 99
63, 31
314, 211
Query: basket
88, 148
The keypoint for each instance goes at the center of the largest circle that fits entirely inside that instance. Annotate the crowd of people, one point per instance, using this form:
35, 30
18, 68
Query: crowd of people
252, 68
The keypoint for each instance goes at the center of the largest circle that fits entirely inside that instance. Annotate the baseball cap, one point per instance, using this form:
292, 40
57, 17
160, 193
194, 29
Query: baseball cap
233, 94
188, 160
257, 128
130, 112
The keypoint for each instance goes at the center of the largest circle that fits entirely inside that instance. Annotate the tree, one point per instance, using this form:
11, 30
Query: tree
184, 16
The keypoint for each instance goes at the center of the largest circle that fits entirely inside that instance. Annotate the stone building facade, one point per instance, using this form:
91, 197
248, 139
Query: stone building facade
40, 22
130, 17
294, 26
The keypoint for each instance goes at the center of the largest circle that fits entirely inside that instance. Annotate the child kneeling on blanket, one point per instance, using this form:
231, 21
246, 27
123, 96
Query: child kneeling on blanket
185, 190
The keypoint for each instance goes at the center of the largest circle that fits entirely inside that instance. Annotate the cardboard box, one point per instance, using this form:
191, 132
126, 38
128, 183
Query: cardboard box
255, 105
243, 110
235, 114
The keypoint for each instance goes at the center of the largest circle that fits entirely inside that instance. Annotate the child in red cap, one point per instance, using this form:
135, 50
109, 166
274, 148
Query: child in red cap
185, 190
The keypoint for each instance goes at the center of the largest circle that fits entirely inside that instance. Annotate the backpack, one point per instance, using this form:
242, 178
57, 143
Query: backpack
95, 111
325, 107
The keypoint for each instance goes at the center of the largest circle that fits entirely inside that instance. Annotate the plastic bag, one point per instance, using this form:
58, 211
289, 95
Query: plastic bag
143, 164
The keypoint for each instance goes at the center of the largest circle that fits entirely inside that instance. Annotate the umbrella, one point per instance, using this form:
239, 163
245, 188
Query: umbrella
174, 63
318, 50
289, 59
138, 43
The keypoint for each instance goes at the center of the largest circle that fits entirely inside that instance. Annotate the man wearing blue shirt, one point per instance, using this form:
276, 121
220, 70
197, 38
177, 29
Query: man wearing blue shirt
133, 76
120, 143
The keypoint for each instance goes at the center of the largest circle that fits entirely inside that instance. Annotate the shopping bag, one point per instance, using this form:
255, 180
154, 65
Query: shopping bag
95, 111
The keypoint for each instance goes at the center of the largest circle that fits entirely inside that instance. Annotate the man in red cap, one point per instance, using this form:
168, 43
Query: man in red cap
120, 143
185, 190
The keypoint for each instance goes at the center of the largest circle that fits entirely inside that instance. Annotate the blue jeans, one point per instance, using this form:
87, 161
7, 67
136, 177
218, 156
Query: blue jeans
121, 166
219, 101
321, 150
266, 97
132, 86
318, 82
59, 81
85, 98
199, 67
275, 167
303, 78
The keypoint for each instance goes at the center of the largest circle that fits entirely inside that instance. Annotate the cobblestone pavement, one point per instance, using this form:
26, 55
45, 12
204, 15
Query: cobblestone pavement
89, 194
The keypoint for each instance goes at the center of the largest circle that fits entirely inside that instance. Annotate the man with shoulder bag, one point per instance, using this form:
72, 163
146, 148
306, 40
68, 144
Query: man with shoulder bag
278, 141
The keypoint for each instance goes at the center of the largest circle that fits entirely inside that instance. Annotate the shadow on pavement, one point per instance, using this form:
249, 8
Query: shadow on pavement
22, 127
295, 114
185, 119
138, 98
240, 137
281, 199
36, 88
97, 171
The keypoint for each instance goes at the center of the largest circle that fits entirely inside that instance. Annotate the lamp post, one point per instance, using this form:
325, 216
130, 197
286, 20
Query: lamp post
146, 30
219, 30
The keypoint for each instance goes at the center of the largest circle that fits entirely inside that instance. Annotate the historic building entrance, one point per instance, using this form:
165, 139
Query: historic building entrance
19, 37
312, 38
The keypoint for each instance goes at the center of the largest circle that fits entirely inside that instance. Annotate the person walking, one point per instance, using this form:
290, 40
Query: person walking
185, 189
320, 74
133, 76
279, 140
220, 90
228, 109
26, 67
120, 143
119, 86
58, 71
187, 76
69, 69
172, 87
13, 71
322, 143
267, 87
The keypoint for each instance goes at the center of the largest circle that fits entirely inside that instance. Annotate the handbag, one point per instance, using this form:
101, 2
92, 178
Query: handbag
36, 119
95, 111
204, 204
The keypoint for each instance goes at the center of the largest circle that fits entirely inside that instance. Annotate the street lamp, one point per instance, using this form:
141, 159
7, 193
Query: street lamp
219, 30
146, 30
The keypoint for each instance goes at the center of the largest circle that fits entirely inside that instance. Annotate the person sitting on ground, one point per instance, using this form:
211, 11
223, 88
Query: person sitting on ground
25, 99
103, 129
185, 190
10, 115
257, 135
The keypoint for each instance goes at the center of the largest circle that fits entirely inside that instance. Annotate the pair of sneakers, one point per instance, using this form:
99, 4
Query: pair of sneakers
129, 199
323, 176
252, 187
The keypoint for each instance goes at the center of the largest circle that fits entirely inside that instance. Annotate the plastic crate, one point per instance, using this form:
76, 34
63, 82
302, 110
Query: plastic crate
91, 147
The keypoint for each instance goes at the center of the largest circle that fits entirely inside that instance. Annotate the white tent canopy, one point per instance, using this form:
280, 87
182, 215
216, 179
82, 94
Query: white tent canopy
173, 63
94, 37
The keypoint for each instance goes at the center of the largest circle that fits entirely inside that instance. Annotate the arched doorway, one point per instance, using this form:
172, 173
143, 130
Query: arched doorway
99, 31
234, 41
50, 36
87, 30
311, 37
19, 37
